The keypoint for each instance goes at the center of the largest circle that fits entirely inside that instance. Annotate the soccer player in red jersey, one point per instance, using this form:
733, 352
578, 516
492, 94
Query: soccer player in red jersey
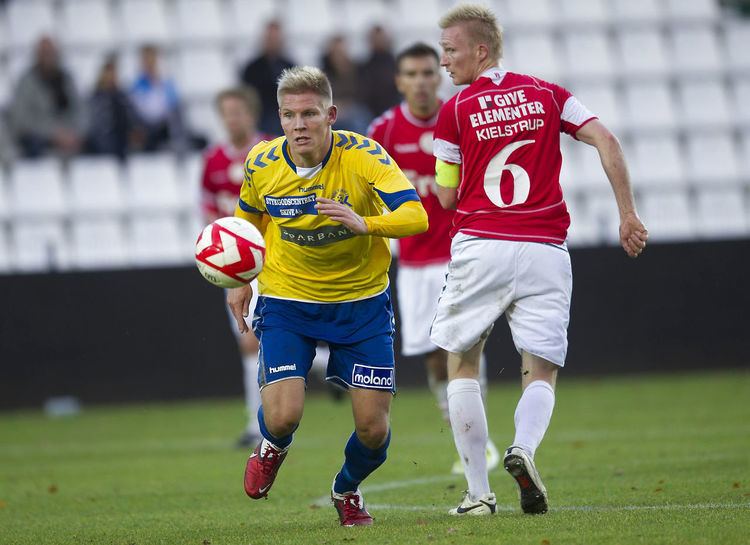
223, 172
405, 131
497, 144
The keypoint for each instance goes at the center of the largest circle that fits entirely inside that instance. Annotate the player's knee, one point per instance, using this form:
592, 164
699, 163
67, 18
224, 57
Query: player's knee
373, 433
283, 421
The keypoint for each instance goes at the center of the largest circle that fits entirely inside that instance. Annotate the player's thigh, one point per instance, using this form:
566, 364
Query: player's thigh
540, 313
478, 289
418, 291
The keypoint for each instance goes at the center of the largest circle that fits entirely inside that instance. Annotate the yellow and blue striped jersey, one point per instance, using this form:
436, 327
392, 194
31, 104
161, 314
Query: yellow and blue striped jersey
310, 257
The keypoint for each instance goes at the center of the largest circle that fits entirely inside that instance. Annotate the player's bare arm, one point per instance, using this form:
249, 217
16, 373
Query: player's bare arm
633, 234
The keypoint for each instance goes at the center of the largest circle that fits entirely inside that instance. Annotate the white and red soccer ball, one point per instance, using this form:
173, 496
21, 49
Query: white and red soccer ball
230, 252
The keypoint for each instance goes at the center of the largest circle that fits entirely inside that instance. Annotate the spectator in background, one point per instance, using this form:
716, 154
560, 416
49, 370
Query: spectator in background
378, 90
45, 112
157, 104
7, 150
113, 125
263, 72
343, 75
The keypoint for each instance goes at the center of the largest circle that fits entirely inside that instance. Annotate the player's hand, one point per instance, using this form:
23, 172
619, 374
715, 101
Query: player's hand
633, 234
343, 214
238, 300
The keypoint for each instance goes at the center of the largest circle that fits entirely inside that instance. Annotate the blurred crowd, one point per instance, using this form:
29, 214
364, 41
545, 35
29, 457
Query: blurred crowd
47, 114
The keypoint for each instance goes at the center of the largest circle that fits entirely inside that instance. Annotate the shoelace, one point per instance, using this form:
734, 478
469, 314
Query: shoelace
266, 461
351, 506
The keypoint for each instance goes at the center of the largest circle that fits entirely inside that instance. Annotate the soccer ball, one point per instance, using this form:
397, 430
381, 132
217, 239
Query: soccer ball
229, 252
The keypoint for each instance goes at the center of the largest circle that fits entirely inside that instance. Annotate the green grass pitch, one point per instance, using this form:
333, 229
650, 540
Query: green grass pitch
647, 460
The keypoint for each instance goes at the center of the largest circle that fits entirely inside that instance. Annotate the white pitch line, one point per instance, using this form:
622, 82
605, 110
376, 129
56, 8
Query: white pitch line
393, 485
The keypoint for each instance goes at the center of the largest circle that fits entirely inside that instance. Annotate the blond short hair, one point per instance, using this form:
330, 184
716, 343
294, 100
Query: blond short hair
304, 79
482, 24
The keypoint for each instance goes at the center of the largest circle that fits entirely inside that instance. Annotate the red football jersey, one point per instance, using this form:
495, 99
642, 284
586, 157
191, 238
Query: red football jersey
223, 172
408, 140
504, 130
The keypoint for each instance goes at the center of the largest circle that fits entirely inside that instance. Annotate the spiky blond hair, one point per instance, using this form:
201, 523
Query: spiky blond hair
482, 24
304, 79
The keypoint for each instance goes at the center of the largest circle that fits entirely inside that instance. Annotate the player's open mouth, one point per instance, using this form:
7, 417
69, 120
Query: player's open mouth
301, 140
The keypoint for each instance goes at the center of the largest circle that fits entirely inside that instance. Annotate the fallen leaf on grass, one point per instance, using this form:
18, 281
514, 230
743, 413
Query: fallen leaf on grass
736, 485
314, 506
52, 489
545, 542
3, 504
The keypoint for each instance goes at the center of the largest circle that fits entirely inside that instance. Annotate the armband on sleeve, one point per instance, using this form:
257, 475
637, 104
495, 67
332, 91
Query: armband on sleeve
447, 174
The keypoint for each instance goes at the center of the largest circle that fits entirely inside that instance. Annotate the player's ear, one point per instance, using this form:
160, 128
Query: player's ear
333, 113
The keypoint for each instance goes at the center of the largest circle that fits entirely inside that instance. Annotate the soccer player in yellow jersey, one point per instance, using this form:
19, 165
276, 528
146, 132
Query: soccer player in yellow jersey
325, 279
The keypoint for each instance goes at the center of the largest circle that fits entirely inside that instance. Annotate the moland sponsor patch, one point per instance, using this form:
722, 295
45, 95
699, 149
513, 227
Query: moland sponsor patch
282, 368
316, 237
365, 376
290, 207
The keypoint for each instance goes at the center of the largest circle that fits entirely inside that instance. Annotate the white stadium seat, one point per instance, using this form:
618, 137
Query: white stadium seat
650, 106
203, 71
536, 54
28, 20
643, 51
96, 186
309, 18
704, 103
417, 15
39, 245
583, 230
657, 162
84, 67
741, 103
602, 100
5, 264
144, 21
637, 11
361, 16
190, 176
530, 13
200, 21
722, 213
98, 243
695, 50
589, 54
692, 10
203, 118
152, 183
36, 189
712, 159
247, 19
4, 205
584, 12
602, 209
5, 85
667, 216
737, 40
156, 240
87, 23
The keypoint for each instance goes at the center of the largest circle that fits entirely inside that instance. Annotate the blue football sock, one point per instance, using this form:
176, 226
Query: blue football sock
280, 442
359, 462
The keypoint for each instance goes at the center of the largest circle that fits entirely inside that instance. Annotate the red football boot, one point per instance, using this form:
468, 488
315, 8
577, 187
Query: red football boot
261, 469
351, 509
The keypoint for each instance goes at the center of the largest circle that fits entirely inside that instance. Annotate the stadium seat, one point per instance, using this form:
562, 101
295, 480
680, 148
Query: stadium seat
190, 174
200, 21
203, 71
529, 14
667, 215
98, 243
584, 12
695, 50
4, 252
36, 189
721, 213
745, 154
643, 51
602, 209
204, 119
583, 230
38, 246
5, 85
569, 167
152, 183
536, 53
657, 162
704, 103
306, 19
96, 186
589, 54
156, 240
602, 100
144, 21
84, 66
649, 106
4, 206
247, 19
28, 21
712, 159
590, 173
637, 11
87, 23
360, 16
737, 41
741, 102
693, 10
417, 15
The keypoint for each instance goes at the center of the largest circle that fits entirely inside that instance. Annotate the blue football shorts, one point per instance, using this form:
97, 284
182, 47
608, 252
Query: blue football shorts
358, 333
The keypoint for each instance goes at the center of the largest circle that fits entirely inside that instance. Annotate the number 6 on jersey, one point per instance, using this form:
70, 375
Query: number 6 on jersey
493, 177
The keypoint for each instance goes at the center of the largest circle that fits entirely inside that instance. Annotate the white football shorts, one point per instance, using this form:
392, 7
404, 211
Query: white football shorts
530, 282
249, 318
418, 290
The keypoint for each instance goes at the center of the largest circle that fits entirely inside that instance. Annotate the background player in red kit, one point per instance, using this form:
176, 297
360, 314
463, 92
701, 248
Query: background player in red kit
406, 131
497, 144
223, 172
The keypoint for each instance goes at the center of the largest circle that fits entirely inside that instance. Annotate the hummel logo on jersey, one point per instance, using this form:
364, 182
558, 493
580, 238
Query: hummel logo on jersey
281, 368
372, 377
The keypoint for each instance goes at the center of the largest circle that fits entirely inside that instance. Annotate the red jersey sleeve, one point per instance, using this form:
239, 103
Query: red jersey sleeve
446, 136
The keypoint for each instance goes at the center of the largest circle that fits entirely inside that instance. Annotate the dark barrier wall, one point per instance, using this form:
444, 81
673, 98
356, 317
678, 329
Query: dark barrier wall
163, 334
